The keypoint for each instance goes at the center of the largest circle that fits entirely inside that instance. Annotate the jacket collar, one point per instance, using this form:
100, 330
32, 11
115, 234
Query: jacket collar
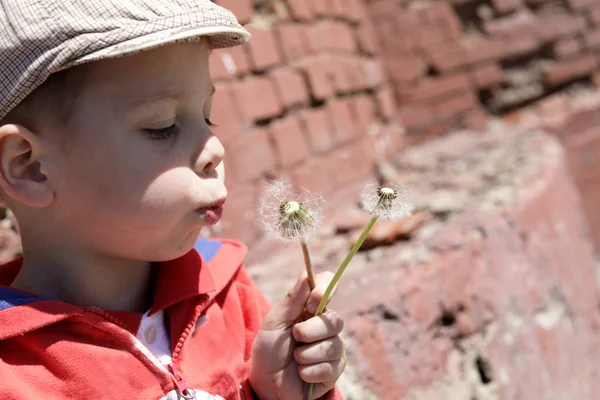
206, 270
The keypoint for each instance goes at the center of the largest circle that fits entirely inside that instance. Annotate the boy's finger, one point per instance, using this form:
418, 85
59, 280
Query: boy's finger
322, 281
318, 328
325, 350
285, 313
322, 372
320, 389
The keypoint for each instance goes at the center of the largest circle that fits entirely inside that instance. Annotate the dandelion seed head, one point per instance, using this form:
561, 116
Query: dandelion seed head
287, 216
389, 202
290, 207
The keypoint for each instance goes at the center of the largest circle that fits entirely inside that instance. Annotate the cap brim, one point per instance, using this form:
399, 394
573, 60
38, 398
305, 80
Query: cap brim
219, 37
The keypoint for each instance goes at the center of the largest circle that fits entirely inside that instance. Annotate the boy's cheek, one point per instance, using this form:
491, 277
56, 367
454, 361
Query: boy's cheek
221, 171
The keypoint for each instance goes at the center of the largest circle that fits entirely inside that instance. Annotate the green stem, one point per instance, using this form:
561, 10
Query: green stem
308, 264
336, 278
345, 263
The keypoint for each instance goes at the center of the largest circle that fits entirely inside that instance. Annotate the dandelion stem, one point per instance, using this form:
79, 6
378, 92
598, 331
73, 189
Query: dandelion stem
337, 277
345, 263
308, 264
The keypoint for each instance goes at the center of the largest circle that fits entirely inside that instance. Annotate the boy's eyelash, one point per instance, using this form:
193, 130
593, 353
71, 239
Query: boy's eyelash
170, 131
163, 133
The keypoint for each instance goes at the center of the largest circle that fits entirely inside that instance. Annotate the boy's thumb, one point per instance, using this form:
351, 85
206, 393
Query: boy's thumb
289, 310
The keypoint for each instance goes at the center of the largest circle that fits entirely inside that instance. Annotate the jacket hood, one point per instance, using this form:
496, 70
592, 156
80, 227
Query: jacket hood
205, 270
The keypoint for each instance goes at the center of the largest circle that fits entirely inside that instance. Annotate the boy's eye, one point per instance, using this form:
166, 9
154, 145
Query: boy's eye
163, 133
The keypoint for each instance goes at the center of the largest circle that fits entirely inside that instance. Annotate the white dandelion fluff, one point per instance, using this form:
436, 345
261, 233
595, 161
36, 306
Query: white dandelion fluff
388, 202
287, 216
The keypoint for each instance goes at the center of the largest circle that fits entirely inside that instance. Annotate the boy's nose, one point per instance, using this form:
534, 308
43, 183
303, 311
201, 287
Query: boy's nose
210, 157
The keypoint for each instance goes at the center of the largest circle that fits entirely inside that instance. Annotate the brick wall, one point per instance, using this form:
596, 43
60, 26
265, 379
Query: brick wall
325, 87
452, 62
306, 99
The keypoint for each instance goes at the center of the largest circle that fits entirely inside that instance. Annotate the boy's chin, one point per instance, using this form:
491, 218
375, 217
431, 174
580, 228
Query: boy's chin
176, 251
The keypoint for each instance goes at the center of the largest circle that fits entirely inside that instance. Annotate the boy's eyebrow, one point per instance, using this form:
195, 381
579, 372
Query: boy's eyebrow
155, 98
168, 95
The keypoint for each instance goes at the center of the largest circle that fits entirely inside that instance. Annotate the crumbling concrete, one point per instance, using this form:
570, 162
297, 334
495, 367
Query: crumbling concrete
492, 296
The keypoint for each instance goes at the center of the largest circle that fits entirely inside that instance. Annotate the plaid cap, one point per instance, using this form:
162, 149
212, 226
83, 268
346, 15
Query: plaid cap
40, 37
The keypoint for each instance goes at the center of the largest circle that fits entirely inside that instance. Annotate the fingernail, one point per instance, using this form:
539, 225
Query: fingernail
312, 307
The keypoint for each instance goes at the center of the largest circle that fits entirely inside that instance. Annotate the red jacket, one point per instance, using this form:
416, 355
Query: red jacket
54, 350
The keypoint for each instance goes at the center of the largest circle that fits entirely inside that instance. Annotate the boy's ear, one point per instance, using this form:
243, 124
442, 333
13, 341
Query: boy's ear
21, 175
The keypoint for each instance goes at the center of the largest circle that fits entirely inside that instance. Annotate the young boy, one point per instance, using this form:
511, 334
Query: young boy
108, 163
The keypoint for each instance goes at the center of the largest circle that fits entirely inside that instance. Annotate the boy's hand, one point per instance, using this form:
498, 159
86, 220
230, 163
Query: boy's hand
288, 351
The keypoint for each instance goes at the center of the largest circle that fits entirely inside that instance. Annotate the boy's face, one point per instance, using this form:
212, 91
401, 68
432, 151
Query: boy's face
134, 178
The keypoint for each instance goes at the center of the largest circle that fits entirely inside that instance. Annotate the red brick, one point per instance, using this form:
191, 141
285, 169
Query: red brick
234, 60
552, 27
241, 8
364, 112
567, 47
355, 10
250, 155
592, 38
218, 70
351, 163
257, 98
356, 72
580, 4
477, 120
338, 8
263, 48
321, 8
239, 218
487, 75
300, 10
225, 114
590, 196
406, 21
512, 26
553, 105
294, 41
316, 70
331, 36
344, 125
291, 86
338, 74
386, 102
390, 140
504, 6
485, 50
318, 127
416, 116
391, 39
583, 152
431, 37
449, 57
310, 175
456, 105
594, 15
367, 39
435, 12
435, 89
522, 46
405, 69
289, 140
383, 8
596, 79
565, 71
373, 72
440, 15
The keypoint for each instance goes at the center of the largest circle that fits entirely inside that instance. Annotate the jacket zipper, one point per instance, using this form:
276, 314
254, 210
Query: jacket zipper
181, 385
